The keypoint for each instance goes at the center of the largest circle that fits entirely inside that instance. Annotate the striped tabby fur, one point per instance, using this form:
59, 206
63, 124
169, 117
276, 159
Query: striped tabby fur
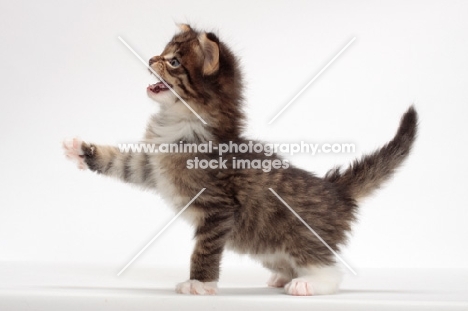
237, 211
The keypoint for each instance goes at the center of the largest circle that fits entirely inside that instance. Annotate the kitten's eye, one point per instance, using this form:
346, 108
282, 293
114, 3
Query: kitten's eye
174, 62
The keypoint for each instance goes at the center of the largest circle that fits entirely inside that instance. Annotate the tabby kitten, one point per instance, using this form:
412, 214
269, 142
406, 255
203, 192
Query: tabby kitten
237, 211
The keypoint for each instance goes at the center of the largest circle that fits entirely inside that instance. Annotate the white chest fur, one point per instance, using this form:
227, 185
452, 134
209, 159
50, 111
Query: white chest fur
172, 126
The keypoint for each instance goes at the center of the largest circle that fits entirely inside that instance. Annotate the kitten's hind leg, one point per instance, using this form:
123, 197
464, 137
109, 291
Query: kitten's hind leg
315, 280
282, 271
278, 279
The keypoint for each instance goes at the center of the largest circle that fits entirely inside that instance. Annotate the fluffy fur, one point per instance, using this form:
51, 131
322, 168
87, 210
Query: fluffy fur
237, 211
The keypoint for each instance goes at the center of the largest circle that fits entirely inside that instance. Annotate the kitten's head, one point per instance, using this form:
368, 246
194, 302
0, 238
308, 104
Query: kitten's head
205, 74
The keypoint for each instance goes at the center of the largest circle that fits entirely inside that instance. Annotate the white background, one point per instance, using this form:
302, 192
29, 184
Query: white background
65, 73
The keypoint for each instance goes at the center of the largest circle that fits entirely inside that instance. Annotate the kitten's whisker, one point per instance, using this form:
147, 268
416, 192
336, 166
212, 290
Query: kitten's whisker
152, 74
313, 231
161, 79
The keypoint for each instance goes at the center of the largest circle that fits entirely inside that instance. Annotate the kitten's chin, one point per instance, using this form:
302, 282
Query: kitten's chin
163, 98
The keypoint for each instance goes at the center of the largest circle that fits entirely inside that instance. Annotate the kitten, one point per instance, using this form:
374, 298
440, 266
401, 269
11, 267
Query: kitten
237, 211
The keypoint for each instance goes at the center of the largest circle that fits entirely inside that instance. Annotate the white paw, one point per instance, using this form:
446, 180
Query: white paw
194, 287
299, 287
277, 280
73, 151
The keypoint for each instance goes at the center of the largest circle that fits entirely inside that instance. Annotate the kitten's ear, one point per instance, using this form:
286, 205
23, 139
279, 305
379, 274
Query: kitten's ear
211, 53
184, 27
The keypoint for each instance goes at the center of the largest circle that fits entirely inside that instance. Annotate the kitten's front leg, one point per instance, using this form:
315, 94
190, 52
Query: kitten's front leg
108, 160
74, 151
90, 156
206, 258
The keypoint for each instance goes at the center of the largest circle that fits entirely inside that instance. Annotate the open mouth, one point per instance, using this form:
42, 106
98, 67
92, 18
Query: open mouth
158, 87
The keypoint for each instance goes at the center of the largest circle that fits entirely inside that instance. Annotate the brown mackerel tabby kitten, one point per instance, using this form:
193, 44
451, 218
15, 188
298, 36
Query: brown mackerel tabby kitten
237, 211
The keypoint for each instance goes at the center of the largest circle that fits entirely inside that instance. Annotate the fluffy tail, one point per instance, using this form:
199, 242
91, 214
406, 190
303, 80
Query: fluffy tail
368, 173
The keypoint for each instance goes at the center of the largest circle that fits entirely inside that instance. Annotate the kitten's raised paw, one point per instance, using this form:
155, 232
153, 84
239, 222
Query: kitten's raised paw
299, 287
74, 151
278, 280
194, 287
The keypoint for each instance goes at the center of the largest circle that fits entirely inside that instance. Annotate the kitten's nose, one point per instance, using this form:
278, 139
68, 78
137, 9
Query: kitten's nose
154, 59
